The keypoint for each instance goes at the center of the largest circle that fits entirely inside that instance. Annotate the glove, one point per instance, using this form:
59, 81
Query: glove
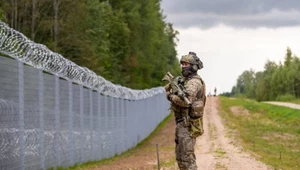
169, 96
167, 87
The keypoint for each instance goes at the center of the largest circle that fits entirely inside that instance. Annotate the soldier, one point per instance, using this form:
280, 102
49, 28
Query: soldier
215, 90
189, 118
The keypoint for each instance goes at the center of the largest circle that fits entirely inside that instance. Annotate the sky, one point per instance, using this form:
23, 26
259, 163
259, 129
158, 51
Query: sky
232, 36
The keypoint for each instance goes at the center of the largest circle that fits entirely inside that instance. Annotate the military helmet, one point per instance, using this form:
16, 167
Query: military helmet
192, 59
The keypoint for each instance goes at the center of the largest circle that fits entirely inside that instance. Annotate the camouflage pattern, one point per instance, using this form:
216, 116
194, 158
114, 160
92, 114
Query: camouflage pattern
184, 150
196, 128
184, 139
188, 59
192, 86
192, 59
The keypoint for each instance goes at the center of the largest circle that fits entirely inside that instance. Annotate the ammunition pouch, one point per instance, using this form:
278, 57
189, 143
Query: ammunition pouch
181, 114
196, 127
197, 109
196, 118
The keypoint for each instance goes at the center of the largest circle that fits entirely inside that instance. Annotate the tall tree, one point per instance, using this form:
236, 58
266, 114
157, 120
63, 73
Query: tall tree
33, 19
55, 23
246, 83
125, 41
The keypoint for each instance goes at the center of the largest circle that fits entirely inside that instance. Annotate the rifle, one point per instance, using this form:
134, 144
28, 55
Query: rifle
176, 86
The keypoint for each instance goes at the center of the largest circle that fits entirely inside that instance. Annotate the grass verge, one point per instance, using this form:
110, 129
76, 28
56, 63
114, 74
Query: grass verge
132, 151
270, 133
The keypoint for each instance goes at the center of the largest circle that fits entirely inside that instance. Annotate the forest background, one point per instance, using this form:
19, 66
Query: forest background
128, 42
278, 81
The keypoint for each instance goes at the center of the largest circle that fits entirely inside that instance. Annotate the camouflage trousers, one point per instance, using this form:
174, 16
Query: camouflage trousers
184, 150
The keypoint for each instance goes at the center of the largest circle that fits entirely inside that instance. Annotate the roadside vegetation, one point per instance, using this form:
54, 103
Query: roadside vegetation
277, 82
270, 133
141, 153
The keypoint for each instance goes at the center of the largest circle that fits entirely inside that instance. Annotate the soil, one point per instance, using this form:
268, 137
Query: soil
215, 150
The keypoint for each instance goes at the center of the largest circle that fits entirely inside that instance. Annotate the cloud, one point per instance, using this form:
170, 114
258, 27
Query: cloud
226, 51
231, 36
237, 13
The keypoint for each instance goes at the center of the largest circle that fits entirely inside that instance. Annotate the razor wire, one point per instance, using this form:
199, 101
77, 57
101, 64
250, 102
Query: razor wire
18, 46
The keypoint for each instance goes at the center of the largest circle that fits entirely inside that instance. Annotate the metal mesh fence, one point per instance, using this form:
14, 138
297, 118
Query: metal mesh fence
69, 116
46, 121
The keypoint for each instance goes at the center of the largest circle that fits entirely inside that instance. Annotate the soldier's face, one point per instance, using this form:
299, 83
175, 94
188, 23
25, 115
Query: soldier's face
185, 69
184, 64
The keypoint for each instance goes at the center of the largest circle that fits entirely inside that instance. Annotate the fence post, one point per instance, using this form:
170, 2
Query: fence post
122, 125
57, 122
42, 123
71, 138
106, 140
91, 125
81, 123
21, 113
99, 130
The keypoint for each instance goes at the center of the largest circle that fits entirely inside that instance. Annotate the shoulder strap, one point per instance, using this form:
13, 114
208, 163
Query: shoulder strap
201, 94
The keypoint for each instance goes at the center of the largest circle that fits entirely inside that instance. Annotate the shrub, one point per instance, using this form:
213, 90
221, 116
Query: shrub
285, 97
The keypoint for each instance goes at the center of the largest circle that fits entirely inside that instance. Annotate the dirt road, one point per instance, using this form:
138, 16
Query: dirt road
291, 105
214, 150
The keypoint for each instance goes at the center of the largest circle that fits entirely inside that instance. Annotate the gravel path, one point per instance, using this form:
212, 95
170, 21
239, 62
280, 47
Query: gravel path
291, 105
215, 150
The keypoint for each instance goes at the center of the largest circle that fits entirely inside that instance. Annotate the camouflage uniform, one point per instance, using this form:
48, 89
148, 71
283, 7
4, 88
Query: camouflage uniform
184, 139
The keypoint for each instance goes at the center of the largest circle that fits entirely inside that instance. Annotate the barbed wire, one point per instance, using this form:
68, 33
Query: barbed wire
18, 46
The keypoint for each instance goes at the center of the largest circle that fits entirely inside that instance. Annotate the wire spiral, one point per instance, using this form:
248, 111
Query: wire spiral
18, 46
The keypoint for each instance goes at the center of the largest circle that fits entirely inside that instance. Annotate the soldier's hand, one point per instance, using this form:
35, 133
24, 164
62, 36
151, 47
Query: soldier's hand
168, 87
169, 95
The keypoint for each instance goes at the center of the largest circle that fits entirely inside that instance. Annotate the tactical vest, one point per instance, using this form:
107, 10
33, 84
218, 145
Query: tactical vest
197, 107
196, 112
180, 112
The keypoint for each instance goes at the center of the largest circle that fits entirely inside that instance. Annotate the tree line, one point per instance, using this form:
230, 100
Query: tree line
127, 42
277, 82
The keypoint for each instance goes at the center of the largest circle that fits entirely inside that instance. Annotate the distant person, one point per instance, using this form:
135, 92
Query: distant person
215, 91
189, 118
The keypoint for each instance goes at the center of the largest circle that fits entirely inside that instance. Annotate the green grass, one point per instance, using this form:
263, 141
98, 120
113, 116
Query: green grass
219, 152
111, 160
271, 133
168, 163
220, 166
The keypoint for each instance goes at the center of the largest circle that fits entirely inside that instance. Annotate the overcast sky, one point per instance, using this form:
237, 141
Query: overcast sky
231, 36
